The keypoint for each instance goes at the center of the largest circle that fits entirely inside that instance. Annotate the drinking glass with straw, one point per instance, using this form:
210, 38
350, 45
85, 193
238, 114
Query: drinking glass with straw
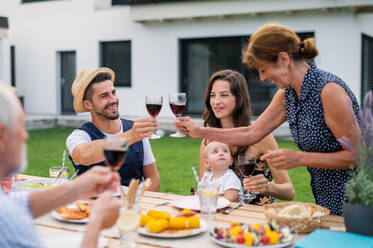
60, 172
208, 197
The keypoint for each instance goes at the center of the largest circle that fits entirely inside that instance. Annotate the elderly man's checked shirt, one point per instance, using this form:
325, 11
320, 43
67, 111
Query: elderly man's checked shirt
17, 227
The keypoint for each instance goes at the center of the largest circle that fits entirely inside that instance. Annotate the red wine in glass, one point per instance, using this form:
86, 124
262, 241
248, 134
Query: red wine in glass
153, 109
247, 166
177, 108
177, 103
115, 157
154, 106
115, 151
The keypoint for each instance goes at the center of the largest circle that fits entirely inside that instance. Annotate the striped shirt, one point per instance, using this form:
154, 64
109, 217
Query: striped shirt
17, 227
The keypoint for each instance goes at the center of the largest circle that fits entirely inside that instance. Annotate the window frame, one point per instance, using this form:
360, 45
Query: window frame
135, 2
183, 77
36, 1
102, 58
364, 87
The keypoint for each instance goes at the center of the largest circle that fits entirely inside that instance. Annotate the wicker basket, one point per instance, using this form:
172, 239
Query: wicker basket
302, 224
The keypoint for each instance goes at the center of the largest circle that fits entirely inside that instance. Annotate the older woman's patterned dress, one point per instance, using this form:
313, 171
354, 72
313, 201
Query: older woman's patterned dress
311, 134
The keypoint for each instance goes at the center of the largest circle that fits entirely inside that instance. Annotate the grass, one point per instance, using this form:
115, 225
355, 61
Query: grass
175, 157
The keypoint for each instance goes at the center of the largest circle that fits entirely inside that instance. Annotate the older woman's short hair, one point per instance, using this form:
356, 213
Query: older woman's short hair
9, 107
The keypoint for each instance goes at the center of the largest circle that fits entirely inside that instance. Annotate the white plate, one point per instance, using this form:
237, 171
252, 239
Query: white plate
192, 202
195, 231
68, 239
57, 216
232, 245
27, 185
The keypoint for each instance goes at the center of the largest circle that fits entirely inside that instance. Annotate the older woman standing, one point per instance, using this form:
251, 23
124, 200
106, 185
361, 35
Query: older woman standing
228, 105
313, 101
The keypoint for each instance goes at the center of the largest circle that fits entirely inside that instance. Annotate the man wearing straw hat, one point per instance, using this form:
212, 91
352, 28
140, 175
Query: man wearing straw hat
94, 92
18, 209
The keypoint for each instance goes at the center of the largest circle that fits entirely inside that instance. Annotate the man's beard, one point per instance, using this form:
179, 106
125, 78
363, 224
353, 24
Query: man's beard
107, 116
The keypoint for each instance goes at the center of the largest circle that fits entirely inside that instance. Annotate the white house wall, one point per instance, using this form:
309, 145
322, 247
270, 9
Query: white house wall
40, 30
4, 60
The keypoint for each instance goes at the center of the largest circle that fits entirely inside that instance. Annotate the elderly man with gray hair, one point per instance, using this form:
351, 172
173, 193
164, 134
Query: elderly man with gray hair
18, 209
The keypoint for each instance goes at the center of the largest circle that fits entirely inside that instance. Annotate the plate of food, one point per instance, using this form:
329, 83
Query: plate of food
192, 202
268, 235
38, 184
160, 224
74, 213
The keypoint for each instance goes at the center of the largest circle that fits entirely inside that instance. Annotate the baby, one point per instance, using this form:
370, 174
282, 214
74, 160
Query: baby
217, 157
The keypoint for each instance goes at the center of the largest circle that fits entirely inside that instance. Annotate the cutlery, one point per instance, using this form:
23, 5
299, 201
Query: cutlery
162, 204
229, 210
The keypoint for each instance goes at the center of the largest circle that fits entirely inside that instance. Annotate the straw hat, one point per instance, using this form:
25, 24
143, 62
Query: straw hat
81, 83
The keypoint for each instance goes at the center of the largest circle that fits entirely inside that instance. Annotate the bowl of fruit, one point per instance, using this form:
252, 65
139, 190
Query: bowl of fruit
258, 235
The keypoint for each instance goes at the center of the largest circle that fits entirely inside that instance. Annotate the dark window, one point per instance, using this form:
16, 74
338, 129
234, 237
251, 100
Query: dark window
32, 1
117, 56
200, 58
13, 66
4, 22
367, 65
131, 2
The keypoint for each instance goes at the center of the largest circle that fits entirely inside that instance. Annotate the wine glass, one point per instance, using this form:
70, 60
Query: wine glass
177, 104
247, 166
115, 151
154, 106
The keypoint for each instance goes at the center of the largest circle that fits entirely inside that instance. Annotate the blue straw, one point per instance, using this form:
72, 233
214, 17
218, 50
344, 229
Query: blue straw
63, 165
63, 158
195, 174
139, 190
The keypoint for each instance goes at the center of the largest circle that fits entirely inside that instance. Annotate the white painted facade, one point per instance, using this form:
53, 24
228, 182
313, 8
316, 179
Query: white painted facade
40, 30
4, 56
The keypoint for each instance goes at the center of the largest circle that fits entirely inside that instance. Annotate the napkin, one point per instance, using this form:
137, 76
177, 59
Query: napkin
330, 239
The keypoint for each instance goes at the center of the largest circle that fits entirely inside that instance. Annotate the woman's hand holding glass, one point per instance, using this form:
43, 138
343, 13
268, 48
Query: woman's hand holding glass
256, 183
187, 126
247, 165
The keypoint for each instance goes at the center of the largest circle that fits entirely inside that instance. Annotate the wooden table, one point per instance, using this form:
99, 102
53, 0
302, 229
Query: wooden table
246, 214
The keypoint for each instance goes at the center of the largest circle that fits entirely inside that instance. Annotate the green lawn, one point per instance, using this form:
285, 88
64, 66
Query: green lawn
175, 158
